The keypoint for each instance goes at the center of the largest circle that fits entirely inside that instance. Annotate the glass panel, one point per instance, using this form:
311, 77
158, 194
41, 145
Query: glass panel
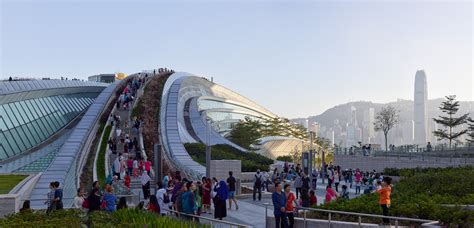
5, 146
4, 125
29, 134
37, 113
35, 131
47, 126
10, 115
28, 113
37, 107
24, 137
20, 114
14, 145
32, 109
18, 139
49, 111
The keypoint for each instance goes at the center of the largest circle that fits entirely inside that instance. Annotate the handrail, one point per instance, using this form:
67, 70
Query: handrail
208, 219
424, 221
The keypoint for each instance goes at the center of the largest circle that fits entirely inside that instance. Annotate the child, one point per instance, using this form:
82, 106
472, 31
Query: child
312, 198
345, 193
135, 168
127, 180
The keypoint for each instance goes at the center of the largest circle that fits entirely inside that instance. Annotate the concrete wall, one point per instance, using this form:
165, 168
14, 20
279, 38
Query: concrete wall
220, 169
9, 204
379, 163
299, 222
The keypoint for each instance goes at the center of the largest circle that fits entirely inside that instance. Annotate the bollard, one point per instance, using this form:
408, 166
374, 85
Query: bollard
329, 219
304, 221
360, 221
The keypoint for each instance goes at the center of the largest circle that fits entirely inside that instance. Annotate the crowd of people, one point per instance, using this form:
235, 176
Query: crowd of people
286, 203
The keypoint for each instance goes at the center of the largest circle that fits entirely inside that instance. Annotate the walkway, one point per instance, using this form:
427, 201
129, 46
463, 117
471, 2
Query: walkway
126, 125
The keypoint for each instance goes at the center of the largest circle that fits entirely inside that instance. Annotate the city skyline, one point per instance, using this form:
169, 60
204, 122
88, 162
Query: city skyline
320, 55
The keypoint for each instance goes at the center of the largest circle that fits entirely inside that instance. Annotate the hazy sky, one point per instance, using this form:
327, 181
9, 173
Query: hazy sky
297, 58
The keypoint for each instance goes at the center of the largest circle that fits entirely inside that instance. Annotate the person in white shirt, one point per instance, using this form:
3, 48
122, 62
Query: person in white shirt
79, 199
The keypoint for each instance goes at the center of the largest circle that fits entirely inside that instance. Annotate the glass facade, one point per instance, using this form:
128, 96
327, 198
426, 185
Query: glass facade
26, 123
224, 115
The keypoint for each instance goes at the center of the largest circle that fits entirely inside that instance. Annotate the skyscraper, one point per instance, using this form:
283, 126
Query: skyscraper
420, 109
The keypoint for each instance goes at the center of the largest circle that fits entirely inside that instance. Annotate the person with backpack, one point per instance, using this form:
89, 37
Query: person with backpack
231, 181
163, 198
178, 204
257, 185
188, 201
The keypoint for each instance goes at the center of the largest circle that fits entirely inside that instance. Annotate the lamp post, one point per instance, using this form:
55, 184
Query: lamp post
208, 147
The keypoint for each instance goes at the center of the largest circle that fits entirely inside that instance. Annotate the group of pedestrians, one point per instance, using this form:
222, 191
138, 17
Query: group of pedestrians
54, 199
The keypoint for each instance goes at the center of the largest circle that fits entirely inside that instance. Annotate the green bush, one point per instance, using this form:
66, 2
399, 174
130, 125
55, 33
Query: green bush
133, 218
250, 161
286, 158
61, 218
420, 194
78, 218
101, 157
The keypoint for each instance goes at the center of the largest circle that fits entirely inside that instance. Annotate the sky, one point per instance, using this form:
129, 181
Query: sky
296, 58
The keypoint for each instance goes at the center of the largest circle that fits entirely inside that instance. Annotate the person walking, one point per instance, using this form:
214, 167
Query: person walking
93, 200
145, 181
257, 185
305, 181
298, 184
58, 196
337, 179
231, 181
290, 205
279, 207
50, 198
206, 198
130, 166
222, 193
384, 197
358, 181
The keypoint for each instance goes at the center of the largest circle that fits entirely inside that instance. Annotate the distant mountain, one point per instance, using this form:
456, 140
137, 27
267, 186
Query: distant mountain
342, 112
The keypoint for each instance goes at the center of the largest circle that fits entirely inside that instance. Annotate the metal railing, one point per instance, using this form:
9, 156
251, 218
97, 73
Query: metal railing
424, 222
212, 222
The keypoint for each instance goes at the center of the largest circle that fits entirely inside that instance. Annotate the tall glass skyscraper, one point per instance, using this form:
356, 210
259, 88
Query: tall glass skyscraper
420, 109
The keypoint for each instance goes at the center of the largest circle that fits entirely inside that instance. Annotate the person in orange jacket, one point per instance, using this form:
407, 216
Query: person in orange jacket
384, 197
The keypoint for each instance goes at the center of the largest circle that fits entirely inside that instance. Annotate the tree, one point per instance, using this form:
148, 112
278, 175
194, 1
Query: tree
450, 107
385, 120
246, 132
471, 130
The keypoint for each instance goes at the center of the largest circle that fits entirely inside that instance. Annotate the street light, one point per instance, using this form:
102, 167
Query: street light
208, 147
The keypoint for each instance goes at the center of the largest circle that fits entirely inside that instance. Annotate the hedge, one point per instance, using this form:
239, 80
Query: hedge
286, 158
420, 195
78, 218
101, 157
251, 161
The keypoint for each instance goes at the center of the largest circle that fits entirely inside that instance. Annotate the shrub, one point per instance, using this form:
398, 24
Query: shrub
78, 218
420, 194
101, 157
136, 218
286, 158
251, 161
